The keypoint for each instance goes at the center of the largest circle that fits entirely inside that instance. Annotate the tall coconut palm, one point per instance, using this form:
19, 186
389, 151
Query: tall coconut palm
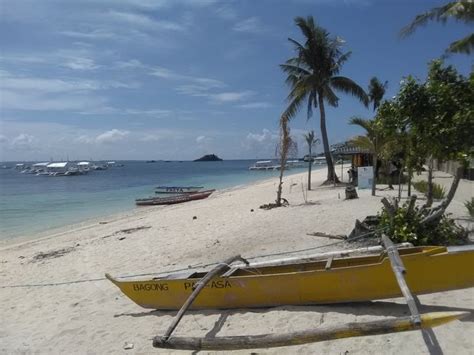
311, 140
461, 10
376, 91
372, 141
313, 78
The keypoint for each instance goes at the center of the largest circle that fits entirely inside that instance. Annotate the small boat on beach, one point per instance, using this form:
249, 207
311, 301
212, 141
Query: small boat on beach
155, 201
323, 279
177, 189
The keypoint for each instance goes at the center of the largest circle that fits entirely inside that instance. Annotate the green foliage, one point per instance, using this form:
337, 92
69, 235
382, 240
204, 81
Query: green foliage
431, 119
385, 180
438, 191
461, 10
470, 206
406, 227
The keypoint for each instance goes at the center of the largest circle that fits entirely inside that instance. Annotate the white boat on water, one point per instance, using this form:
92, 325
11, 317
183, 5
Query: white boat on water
264, 165
319, 161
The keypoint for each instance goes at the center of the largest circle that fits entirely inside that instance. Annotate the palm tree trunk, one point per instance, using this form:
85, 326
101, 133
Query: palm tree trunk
332, 177
374, 176
310, 163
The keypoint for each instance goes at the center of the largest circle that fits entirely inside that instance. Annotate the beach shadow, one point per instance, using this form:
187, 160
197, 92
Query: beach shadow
429, 337
373, 308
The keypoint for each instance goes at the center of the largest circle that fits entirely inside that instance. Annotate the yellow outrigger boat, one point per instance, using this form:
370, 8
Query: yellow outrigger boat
303, 282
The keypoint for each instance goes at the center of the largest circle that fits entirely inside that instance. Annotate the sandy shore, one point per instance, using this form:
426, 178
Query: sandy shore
94, 317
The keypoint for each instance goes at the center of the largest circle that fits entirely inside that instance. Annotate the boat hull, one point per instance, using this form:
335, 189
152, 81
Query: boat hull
429, 269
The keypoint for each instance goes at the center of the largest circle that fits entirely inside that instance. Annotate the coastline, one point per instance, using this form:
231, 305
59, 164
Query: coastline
53, 232
77, 309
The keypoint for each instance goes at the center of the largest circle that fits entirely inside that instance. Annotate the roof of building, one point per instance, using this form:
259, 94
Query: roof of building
347, 148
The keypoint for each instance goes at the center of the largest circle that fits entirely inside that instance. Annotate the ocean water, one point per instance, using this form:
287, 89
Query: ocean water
31, 204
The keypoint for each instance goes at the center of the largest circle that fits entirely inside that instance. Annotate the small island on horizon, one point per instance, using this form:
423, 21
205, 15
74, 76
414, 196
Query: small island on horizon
209, 157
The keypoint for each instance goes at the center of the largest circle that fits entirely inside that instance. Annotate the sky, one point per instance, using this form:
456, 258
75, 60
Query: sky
176, 79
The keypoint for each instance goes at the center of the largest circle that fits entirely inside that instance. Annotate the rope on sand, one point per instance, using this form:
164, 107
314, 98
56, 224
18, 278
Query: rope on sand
375, 232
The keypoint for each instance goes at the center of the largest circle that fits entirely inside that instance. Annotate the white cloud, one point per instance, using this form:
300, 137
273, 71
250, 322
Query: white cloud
261, 145
256, 105
84, 139
145, 21
226, 12
23, 142
150, 138
45, 94
132, 63
112, 136
250, 25
3, 139
266, 135
81, 64
151, 112
202, 139
91, 35
225, 97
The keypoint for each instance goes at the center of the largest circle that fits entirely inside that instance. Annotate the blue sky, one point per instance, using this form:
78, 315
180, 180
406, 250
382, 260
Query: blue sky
174, 79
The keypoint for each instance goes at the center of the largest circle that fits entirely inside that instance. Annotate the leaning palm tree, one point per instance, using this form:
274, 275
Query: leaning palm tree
376, 91
372, 141
461, 10
311, 140
313, 77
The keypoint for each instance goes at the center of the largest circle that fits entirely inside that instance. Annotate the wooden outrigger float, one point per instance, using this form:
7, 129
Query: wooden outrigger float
396, 325
369, 280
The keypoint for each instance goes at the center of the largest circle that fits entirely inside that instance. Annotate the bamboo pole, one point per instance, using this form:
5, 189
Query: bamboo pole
197, 289
348, 330
319, 256
399, 271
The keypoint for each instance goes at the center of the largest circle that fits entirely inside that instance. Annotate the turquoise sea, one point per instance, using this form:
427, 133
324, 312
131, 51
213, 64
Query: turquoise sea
31, 204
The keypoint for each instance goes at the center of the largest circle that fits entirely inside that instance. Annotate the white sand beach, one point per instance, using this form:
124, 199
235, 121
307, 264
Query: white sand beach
94, 317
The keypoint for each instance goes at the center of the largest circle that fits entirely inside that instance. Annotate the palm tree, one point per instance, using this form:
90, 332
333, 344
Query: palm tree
313, 77
461, 10
376, 91
372, 141
311, 140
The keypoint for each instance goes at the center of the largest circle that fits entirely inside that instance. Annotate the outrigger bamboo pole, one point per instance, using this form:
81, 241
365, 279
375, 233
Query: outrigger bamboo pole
197, 289
384, 326
399, 271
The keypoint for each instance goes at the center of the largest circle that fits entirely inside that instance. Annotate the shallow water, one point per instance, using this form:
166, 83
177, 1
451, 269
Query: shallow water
31, 204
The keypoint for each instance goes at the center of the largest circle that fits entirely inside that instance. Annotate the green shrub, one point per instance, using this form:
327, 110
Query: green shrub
438, 191
385, 180
470, 206
406, 227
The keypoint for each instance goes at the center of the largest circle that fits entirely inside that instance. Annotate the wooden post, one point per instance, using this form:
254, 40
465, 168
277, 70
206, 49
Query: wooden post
399, 271
316, 334
197, 289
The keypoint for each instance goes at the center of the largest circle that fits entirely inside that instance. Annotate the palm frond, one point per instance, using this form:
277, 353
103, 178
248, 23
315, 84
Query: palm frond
330, 97
439, 14
348, 86
363, 142
365, 124
293, 69
294, 106
464, 45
